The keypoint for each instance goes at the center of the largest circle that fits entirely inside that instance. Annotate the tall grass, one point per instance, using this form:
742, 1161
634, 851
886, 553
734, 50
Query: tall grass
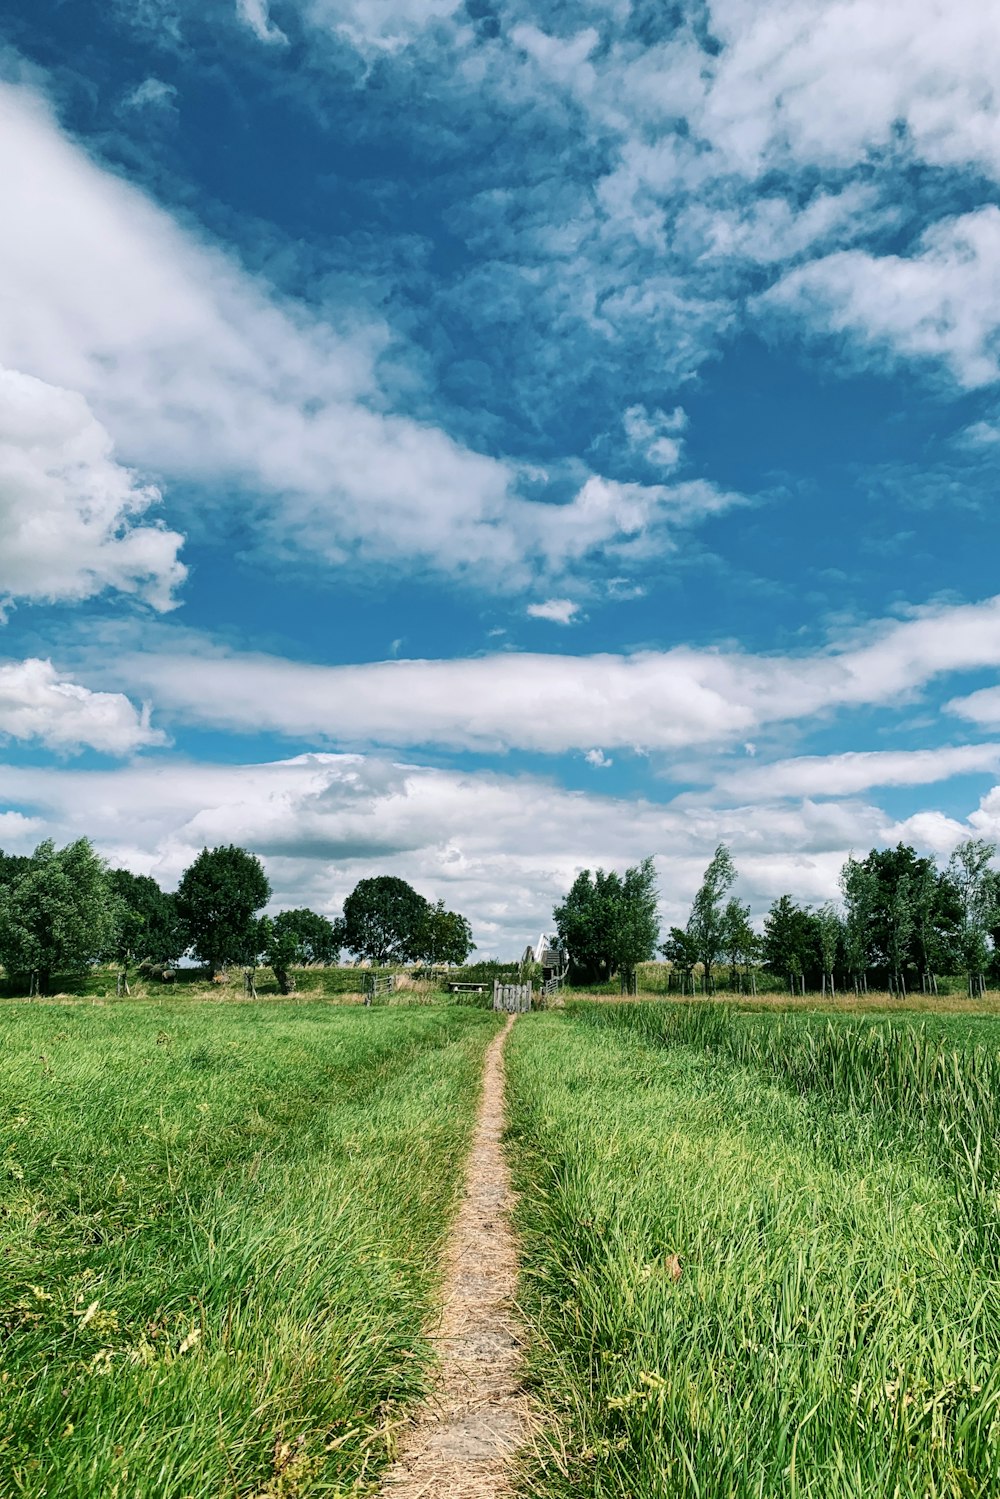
747, 1274
219, 1236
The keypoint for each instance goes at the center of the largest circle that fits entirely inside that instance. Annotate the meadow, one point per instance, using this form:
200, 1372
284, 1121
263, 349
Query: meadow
760, 1252
760, 1241
220, 1230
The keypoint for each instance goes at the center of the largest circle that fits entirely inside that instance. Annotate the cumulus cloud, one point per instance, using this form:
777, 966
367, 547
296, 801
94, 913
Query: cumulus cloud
37, 705
823, 82
982, 707
940, 303
650, 700
502, 849
559, 611
69, 512
199, 371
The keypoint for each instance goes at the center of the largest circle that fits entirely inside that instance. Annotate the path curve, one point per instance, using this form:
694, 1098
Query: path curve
463, 1438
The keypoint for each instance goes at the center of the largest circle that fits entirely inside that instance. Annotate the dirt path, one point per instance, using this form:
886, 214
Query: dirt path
462, 1440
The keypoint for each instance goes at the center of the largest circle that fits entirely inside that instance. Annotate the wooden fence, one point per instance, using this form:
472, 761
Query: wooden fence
514, 998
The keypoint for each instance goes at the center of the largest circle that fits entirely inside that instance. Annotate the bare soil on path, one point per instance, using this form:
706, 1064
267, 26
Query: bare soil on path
463, 1440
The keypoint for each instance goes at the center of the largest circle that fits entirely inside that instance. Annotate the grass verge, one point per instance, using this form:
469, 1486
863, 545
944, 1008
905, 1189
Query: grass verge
220, 1230
743, 1284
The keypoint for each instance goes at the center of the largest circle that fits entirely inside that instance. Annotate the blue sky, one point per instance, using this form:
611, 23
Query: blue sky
483, 440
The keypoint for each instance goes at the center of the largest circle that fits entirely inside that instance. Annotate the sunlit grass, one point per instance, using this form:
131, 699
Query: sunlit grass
835, 1328
220, 1234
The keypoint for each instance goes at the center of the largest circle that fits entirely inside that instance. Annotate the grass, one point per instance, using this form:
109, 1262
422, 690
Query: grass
835, 1327
220, 1228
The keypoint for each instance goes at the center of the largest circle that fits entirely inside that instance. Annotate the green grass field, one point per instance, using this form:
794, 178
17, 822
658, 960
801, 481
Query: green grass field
221, 1225
219, 1238
830, 1190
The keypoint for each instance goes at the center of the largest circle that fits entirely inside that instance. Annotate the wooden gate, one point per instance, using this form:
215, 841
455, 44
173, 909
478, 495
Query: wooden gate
514, 998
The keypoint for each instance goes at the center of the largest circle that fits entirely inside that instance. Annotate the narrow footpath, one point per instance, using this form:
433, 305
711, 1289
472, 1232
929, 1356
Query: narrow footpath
462, 1440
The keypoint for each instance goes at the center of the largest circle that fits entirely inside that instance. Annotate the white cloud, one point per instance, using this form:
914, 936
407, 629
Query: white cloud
941, 303
847, 774
375, 26
651, 700
199, 371
982, 707
68, 512
151, 93
37, 705
560, 611
823, 82
502, 849
598, 759
256, 14
656, 435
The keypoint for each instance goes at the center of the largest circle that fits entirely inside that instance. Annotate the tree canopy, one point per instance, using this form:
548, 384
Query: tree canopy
383, 920
444, 936
148, 927
57, 913
608, 922
218, 899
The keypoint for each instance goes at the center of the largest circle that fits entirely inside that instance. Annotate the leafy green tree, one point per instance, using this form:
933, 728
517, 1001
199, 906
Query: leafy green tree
608, 923
217, 903
317, 938
383, 919
707, 924
445, 936
788, 941
681, 953
637, 924
281, 950
294, 938
57, 914
829, 930
860, 891
970, 873
12, 865
148, 927
585, 921
740, 942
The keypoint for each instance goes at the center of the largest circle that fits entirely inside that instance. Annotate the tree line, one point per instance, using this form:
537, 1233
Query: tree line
63, 910
901, 923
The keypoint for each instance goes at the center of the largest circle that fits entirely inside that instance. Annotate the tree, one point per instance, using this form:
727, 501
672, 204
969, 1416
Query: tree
706, 924
317, 938
970, 873
788, 939
12, 865
829, 935
444, 937
217, 902
383, 918
585, 922
57, 914
681, 953
740, 942
608, 922
636, 926
294, 938
148, 927
859, 888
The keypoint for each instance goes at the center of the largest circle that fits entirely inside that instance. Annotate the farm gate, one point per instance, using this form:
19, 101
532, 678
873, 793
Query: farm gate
514, 998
